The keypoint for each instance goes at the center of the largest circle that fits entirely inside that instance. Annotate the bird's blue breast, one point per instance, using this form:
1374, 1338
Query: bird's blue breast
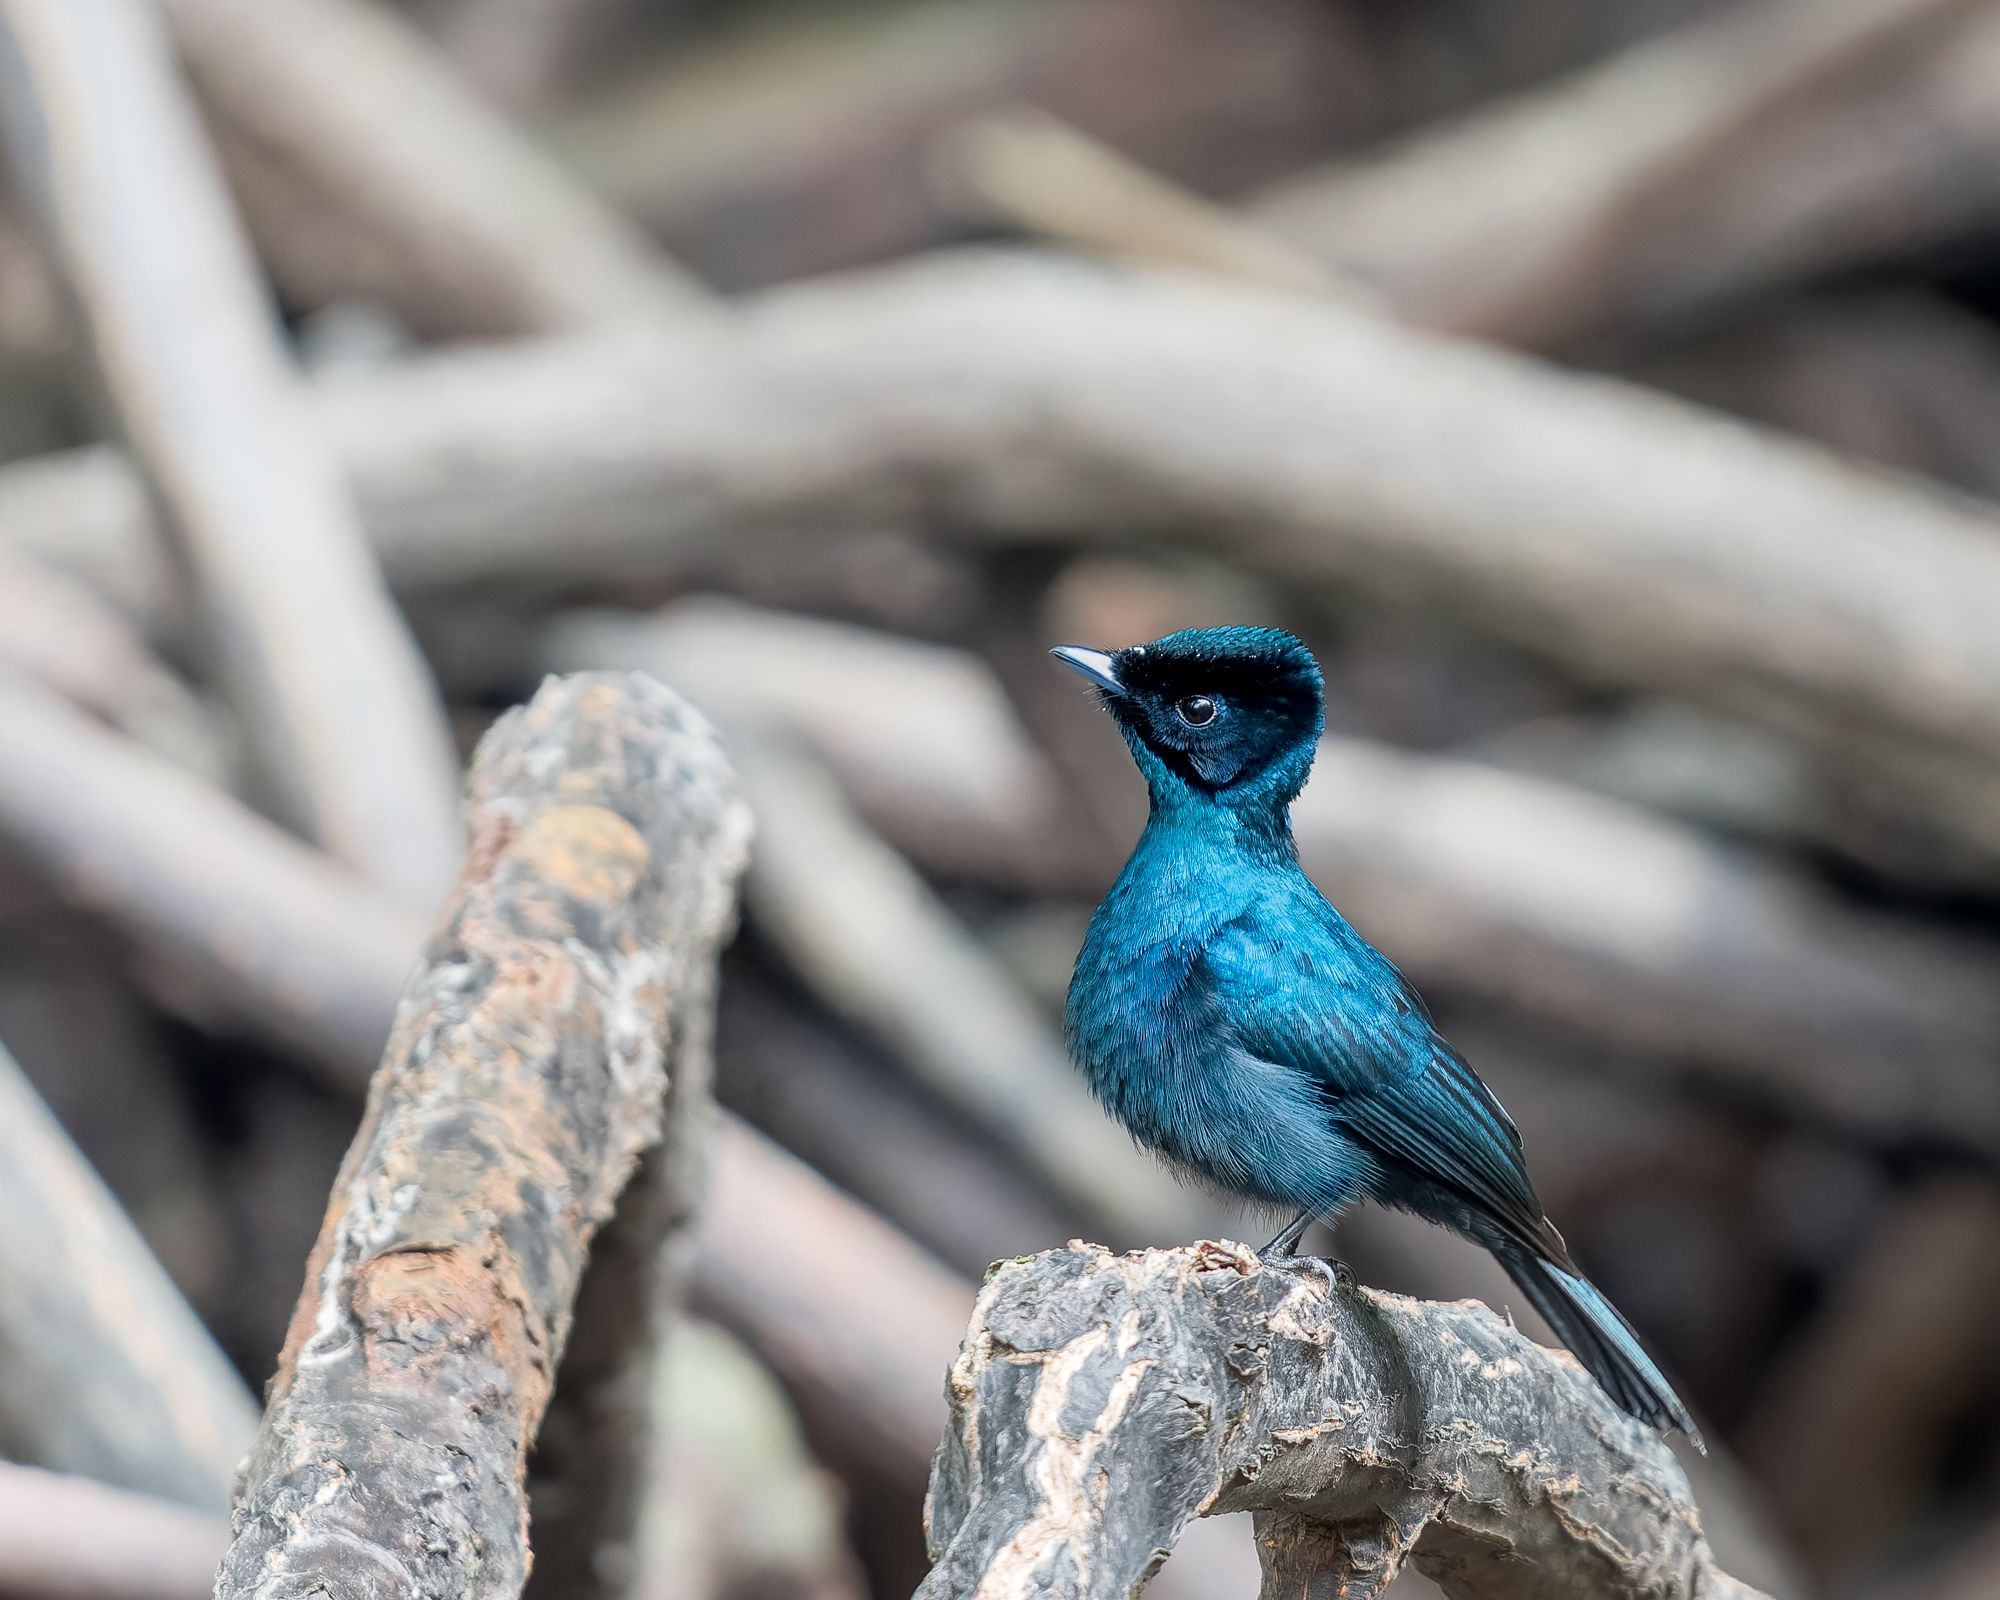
1154, 1023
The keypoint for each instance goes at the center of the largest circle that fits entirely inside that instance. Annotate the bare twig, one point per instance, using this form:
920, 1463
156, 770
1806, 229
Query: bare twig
104, 1370
340, 710
367, 171
527, 1077
1517, 222
1100, 1402
69, 1538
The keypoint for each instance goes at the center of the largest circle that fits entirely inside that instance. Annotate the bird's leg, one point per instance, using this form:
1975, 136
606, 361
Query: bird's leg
1283, 1247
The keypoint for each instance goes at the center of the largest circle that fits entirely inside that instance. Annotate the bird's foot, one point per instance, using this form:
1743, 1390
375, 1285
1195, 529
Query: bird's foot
1339, 1274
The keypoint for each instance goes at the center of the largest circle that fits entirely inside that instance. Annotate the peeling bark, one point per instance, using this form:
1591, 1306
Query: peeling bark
524, 1081
1100, 1402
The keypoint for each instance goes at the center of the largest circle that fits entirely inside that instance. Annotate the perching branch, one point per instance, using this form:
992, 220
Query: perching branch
527, 1079
1102, 1401
104, 1369
368, 171
340, 711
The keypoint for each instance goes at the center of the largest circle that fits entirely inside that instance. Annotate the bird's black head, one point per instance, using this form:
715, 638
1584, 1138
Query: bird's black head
1233, 713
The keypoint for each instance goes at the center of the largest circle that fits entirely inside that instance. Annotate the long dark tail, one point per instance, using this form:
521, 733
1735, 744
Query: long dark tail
1600, 1338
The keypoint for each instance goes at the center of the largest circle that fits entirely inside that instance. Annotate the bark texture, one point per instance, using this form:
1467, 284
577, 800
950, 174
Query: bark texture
524, 1081
1101, 1401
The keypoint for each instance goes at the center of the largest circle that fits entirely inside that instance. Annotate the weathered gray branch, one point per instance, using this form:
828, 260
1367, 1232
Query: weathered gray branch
368, 171
1026, 399
104, 1369
341, 713
527, 1078
70, 1538
1101, 1401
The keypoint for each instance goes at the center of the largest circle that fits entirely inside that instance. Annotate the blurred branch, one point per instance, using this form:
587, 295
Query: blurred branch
857, 1320
368, 171
337, 703
104, 1370
1308, 442
62, 633
263, 928
528, 1076
1028, 169
1529, 222
873, 942
1859, 1418
68, 1538
1134, 1393
1647, 933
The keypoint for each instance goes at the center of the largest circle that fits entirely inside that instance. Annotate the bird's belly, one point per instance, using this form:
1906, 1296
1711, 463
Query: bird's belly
1251, 1127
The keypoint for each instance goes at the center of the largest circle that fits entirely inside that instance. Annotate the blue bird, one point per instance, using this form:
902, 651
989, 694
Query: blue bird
1228, 1016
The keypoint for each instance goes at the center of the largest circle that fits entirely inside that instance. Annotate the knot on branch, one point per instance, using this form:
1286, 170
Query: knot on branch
1100, 1401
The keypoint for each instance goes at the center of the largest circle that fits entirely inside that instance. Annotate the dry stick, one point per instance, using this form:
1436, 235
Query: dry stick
1588, 911
368, 171
69, 1538
539, 1050
329, 684
313, 958
1511, 222
1100, 1402
104, 1369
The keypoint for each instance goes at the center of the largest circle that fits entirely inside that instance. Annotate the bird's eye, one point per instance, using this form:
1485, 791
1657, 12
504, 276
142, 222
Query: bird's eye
1197, 710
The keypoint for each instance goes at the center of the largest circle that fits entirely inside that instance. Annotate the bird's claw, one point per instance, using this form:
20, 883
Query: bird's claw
1339, 1274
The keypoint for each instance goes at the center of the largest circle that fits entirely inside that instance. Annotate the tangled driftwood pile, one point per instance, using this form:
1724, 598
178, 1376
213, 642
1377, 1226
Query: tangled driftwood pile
1607, 391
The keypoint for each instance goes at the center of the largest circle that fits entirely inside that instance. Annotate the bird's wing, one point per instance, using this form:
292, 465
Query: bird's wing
1314, 997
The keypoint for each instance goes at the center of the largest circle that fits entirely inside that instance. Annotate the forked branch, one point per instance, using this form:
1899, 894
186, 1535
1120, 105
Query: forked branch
1100, 1402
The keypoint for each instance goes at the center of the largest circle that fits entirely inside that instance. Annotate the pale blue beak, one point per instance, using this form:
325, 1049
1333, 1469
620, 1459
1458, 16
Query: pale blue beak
1092, 664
